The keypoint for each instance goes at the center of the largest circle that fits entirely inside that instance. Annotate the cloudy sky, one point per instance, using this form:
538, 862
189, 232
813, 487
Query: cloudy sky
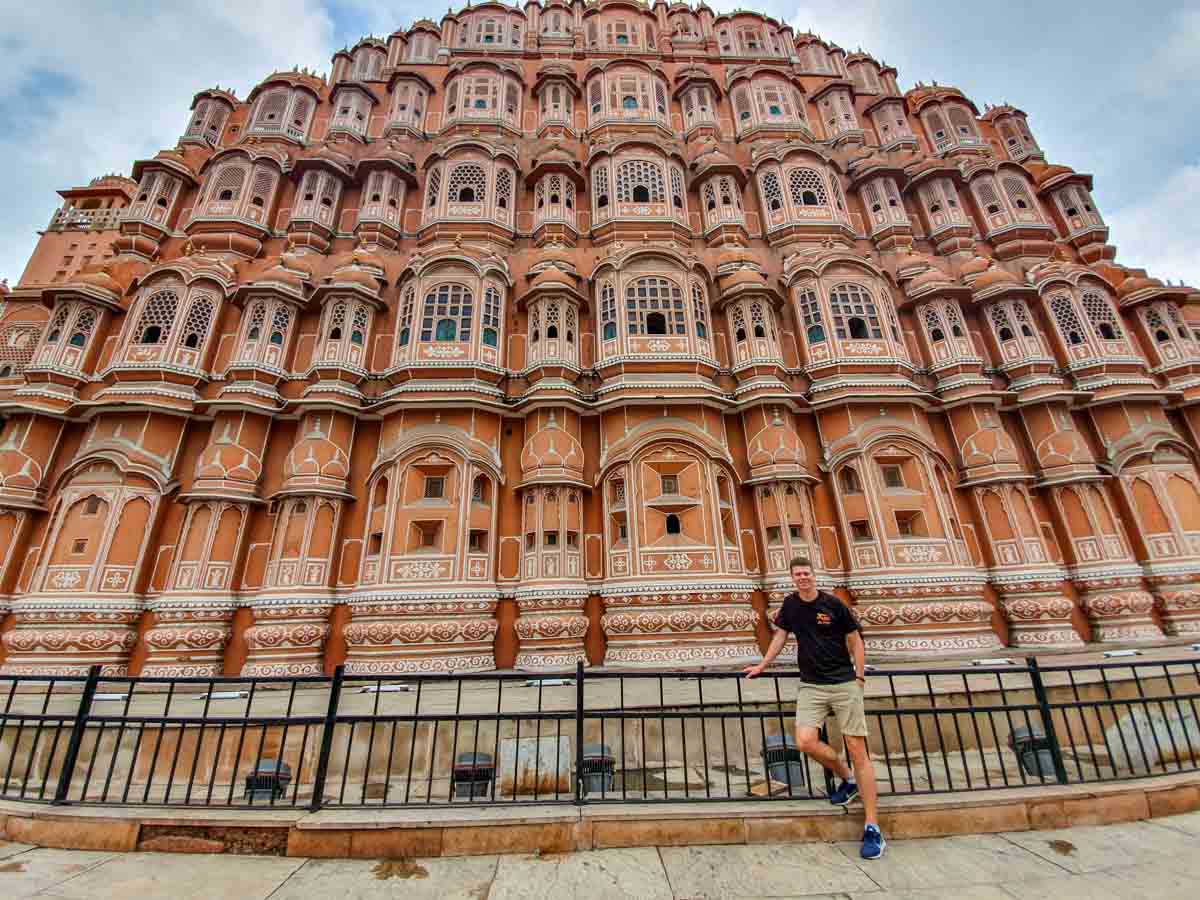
1110, 88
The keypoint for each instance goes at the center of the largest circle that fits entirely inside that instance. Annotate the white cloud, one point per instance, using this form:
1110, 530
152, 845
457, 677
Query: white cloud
120, 83
1161, 232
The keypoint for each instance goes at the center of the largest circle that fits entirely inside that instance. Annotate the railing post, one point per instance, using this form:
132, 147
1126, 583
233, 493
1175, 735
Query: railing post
77, 732
579, 733
335, 695
1043, 702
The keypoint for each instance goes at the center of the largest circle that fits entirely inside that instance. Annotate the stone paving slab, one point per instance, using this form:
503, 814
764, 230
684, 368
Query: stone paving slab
178, 876
700, 873
1189, 822
636, 874
39, 869
1091, 849
9, 848
461, 878
963, 860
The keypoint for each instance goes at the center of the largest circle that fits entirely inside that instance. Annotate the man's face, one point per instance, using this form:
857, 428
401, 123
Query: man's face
802, 577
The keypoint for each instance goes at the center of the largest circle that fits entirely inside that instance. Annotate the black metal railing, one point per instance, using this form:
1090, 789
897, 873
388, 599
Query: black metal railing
598, 736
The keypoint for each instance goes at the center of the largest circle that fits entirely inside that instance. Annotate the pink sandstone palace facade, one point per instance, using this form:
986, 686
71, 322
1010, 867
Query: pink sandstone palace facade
550, 334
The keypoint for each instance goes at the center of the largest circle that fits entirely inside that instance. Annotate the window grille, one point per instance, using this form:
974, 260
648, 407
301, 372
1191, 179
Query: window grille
254, 327
933, 325
227, 187
654, 306
504, 182
158, 316
676, 188
963, 123
58, 323
404, 324
263, 190
989, 198
1063, 311
279, 324
84, 324
608, 311
1021, 313
1018, 194
737, 321
600, 188
448, 314
1100, 313
432, 188
198, 321
699, 310
759, 324
1156, 326
639, 173
467, 184
358, 328
271, 110
772, 194
491, 317
938, 130
806, 188
810, 312
855, 316
741, 105
337, 323
710, 197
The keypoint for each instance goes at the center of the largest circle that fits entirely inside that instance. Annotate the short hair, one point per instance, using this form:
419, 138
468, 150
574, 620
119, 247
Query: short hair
800, 561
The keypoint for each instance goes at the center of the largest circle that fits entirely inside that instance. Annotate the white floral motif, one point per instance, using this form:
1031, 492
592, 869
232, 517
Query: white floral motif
477, 568
920, 554
444, 351
420, 570
677, 561
115, 579
67, 579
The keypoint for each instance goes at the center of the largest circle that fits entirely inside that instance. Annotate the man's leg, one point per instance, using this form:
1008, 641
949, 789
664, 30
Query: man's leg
808, 740
864, 775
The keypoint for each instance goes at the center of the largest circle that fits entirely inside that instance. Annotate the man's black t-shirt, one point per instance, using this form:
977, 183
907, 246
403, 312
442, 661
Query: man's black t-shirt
820, 627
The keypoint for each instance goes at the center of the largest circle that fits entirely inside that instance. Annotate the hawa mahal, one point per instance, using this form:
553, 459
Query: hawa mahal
552, 333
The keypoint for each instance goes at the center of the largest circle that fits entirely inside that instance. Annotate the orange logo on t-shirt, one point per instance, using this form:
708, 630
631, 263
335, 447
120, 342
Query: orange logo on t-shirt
823, 619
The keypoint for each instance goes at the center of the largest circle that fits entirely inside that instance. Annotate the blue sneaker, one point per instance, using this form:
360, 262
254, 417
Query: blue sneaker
844, 794
873, 843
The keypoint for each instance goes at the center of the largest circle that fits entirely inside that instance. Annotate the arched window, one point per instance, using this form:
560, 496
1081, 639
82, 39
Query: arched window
608, 312
84, 324
154, 327
1100, 313
699, 310
491, 317
654, 306
432, 188
810, 312
806, 188
199, 318
672, 524
406, 311
855, 316
600, 187
467, 183
1066, 319
640, 181
772, 195
448, 314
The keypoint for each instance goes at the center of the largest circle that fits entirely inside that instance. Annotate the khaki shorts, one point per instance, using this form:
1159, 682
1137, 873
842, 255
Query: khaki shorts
815, 702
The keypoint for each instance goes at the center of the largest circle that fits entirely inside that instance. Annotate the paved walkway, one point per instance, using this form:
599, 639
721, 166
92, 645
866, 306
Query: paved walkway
1155, 860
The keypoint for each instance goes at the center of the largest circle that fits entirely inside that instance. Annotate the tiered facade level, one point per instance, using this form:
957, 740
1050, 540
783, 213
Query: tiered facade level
546, 335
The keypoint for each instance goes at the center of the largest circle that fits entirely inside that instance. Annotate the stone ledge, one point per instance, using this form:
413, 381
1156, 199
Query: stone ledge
467, 831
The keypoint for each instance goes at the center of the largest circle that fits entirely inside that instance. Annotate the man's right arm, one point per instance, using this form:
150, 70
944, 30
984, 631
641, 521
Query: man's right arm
778, 640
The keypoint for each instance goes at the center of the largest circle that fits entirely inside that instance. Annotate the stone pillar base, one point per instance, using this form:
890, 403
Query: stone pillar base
680, 629
551, 627
188, 638
287, 639
400, 636
948, 615
1178, 596
1038, 612
1117, 606
68, 638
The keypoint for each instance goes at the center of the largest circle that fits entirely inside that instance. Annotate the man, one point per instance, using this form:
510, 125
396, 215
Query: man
831, 658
